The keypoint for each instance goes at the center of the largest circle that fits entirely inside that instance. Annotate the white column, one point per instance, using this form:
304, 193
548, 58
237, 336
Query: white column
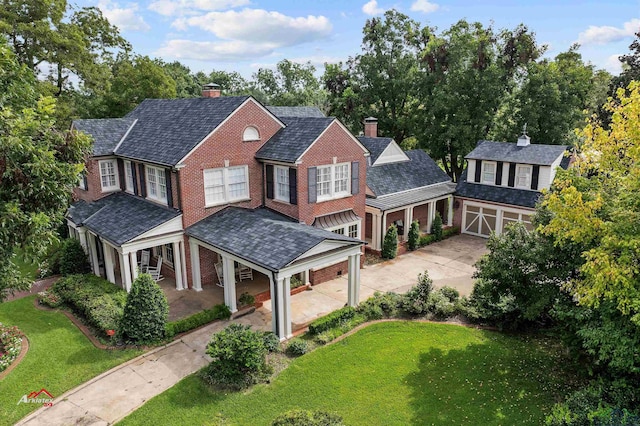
430, 209
304, 276
450, 211
408, 218
195, 265
125, 271
72, 231
108, 262
183, 258
274, 305
93, 253
82, 233
229, 273
383, 230
133, 263
286, 305
177, 265
281, 314
354, 280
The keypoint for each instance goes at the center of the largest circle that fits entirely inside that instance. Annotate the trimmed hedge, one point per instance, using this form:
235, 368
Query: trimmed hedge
332, 320
299, 417
196, 320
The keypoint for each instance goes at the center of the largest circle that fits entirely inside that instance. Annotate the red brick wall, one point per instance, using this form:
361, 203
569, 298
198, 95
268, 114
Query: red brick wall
368, 225
226, 144
94, 187
421, 214
329, 273
457, 212
287, 209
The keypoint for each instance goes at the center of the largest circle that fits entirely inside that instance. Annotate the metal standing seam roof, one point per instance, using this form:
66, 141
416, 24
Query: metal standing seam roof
335, 219
261, 236
543, 155
414, 196
295, 111
106, 132
120, 217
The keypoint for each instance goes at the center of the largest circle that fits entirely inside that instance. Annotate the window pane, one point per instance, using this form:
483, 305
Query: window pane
162, 184
341, 178
213, 186
488, 172
282, 183
353, 231
338, 231
237, 182
323, 181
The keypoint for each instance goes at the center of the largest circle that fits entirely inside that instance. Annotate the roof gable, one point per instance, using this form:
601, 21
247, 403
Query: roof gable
290, 143
391, 154
376, 146
107, 133
543, 155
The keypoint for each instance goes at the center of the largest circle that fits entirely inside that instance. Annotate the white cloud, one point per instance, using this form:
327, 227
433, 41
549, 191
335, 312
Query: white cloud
181, 7
227, 51
424, 6
125, 18
607, 34
613, 64
260, 26
372, 8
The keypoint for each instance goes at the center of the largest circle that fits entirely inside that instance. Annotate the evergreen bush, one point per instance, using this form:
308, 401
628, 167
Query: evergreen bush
415, 300
390, 243
436, 227
146, 311
414, 235
73, 259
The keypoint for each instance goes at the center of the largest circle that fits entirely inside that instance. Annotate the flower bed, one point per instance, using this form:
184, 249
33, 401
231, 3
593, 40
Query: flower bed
10, 345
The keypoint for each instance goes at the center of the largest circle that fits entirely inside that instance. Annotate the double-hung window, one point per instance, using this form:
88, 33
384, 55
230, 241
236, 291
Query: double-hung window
523, 176
333, 181
109, 175
282, 183
156, 184
128, 176
350, 230
226, 185
488, 172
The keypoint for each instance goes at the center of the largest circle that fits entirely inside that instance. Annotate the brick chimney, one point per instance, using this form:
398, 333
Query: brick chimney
371, 127
211, 90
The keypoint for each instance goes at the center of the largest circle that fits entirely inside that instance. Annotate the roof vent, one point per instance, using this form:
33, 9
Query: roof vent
524, 140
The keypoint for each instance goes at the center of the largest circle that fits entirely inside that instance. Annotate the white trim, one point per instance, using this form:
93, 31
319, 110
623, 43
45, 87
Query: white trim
157, 171
335, 120
482, 172
500, 210
225, 184
333, 195
124, 136
529, 175
249, 99
388, 157
250, 139
276, 184
116, 187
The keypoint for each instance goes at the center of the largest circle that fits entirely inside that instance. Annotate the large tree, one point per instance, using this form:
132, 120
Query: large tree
291, 84
39, 166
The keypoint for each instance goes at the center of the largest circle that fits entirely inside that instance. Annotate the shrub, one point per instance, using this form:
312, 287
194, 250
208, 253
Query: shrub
414, 235
246, 299
51, 264
450, 293
425, 240
10, 345
145, 313
307, 418
487, 305
73, 259
196, 320
297, 347
440, 306
271, 341
332, 320
105, 312
450, 232
50, 298
296, 282
390, 243
239, 358
436, 227
381, 305
414, 302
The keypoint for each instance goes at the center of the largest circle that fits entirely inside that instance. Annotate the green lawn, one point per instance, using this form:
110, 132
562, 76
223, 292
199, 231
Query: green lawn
60, 357
27, 269
398, 373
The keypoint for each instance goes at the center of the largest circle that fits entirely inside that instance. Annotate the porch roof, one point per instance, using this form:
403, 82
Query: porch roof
120, 217
414, 196
262, 236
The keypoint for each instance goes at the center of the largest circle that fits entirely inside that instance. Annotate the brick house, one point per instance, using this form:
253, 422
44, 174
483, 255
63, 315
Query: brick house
402, 186
502, 183
215, 183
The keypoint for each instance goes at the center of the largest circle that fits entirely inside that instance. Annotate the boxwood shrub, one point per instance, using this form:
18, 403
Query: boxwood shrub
299, 417
332, 320
197, 319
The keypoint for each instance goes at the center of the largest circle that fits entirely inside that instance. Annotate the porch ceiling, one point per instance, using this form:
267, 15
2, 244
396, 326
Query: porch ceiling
414, 196
262, 236
120, 217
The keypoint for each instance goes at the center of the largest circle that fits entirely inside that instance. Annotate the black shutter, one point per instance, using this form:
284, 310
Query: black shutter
134, 174
293, 186
312, 178
86, 181
355, 178
143, 183
167, 176
512, 175
478, 171
270, 178
535, 177
123, 185
499, 173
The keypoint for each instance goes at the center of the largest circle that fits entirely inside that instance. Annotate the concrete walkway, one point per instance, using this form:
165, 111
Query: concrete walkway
114, 394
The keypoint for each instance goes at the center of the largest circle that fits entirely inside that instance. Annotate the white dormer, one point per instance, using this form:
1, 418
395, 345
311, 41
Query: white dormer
391, 154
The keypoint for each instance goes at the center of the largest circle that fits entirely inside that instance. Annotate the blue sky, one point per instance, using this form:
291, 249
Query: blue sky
244, 35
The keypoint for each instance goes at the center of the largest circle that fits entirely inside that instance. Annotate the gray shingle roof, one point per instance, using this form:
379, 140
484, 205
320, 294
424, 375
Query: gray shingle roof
167, 129
396, 177
120, 217
497, 194
543, 155
295, 111
261, 236
413, 196
291, 142
106, 132
375, 146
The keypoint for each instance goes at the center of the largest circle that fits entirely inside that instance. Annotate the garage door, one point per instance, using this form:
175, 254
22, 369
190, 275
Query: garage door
512, 217
480, 220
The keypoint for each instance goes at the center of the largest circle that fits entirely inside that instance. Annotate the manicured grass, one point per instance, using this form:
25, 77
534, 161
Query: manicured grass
398, 373
27, 269
60, 357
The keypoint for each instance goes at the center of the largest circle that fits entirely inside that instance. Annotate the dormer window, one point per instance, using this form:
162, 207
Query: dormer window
250, 134
523, 176
489, 172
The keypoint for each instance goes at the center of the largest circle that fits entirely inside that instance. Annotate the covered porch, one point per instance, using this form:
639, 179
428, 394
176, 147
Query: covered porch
403, 208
